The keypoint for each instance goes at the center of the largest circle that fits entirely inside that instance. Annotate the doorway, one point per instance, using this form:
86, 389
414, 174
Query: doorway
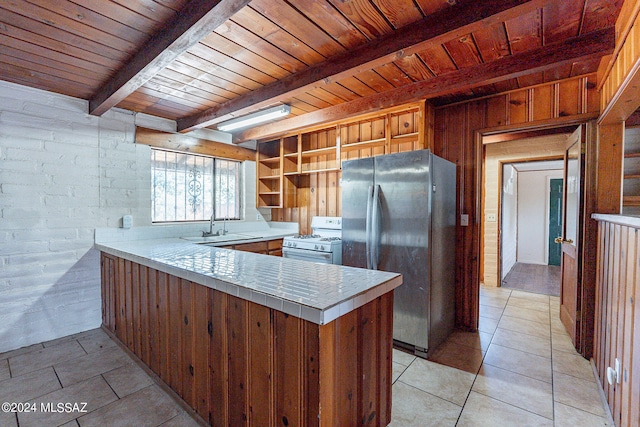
525, 153
581, 150
529, 218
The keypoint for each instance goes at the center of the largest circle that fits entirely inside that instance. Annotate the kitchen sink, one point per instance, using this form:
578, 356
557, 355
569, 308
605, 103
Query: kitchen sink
220, 239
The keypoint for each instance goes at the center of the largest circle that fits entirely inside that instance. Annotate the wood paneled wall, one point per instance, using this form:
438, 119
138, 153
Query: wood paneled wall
619, 77
617, 329
457, 132
237, 363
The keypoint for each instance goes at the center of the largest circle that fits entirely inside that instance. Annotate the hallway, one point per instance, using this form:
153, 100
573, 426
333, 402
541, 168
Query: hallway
536, 278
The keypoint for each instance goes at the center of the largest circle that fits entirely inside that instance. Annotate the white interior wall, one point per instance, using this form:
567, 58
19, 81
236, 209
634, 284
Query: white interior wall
64, 173
533, 221
509, 230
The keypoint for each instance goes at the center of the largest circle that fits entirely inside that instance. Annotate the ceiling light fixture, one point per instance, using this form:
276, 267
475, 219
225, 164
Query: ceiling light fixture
255, 118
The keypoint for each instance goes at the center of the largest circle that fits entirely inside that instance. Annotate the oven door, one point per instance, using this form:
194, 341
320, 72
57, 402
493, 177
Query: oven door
307, 255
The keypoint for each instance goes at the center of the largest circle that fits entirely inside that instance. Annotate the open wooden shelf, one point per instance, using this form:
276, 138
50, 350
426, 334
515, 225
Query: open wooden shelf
269, 174
282, 161
319, 152
363, 144
269, 160
631, 168
412, 135
310, 171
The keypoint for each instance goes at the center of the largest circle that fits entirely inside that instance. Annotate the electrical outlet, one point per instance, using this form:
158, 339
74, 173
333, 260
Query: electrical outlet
491, 217
127, 221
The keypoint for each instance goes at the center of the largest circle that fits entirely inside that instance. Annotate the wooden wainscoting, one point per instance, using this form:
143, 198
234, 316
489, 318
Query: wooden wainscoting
617, 329
238, 363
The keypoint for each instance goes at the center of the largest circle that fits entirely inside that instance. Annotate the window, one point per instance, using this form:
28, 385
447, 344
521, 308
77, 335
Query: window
189, 187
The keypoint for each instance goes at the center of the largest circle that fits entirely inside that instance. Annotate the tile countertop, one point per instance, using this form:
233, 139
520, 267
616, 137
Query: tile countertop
315, 292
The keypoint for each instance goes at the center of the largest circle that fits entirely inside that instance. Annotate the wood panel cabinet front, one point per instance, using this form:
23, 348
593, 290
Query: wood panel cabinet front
257, 247
268, 247
238, 363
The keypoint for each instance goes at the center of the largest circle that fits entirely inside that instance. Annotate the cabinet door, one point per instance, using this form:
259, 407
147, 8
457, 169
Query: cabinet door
257, 247
275, 247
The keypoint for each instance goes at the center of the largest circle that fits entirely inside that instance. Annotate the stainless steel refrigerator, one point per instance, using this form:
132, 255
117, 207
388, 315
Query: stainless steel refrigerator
399, 214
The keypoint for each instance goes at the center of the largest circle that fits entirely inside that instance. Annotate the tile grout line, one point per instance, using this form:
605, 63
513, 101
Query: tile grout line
404, 370
553, 388
105, 380
9, 367
482, 362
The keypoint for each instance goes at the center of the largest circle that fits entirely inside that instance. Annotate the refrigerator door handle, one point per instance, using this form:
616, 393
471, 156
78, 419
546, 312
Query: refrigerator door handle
375, 226
367, 236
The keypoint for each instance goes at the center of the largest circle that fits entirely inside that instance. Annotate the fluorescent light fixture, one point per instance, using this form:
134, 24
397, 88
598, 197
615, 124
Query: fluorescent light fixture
255, 118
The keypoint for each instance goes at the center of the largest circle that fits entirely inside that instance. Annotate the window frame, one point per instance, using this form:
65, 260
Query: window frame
239, 191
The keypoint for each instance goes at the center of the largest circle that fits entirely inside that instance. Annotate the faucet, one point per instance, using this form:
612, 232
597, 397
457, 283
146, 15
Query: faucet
224, 226
210, 232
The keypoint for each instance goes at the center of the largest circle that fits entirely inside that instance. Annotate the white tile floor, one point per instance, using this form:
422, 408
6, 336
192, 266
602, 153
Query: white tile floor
519, 369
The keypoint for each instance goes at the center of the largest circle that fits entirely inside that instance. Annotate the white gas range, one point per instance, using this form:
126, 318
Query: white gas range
323, 246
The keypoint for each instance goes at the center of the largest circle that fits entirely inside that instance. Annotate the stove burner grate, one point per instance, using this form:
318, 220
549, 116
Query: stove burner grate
307, 236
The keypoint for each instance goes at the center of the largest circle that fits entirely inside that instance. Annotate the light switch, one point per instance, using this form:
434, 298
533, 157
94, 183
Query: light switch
464, 220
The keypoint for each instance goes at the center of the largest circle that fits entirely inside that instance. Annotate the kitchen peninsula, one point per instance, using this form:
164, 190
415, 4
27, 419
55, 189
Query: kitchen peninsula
250, 339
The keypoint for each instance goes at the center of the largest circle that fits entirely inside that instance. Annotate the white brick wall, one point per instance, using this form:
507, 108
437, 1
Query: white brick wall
62, 174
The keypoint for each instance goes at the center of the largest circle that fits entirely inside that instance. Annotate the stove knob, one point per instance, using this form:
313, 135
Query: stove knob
315, 247
295, 244
322, 248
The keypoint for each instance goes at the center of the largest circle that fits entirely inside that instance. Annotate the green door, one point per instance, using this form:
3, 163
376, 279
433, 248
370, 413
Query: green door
555, 220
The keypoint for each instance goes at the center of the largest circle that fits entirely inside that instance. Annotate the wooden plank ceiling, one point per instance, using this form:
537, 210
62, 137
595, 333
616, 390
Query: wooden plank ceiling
201, 62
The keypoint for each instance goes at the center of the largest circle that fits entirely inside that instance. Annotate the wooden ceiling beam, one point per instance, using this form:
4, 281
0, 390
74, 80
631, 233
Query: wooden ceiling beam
585, 47
455, 21
198, 19
189, 144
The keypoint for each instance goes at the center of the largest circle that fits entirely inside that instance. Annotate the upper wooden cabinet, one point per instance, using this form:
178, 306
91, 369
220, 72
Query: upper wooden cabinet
324, 149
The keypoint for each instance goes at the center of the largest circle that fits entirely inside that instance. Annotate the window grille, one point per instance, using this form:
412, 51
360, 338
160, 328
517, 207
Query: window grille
190, 187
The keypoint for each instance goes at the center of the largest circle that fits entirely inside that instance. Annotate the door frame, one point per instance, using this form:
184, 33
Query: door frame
589, 233
499, 219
